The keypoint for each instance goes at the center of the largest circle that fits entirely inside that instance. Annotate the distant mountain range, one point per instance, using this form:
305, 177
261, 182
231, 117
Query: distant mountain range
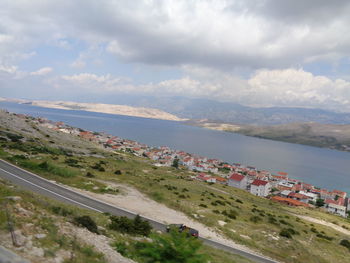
227, 112
233, 112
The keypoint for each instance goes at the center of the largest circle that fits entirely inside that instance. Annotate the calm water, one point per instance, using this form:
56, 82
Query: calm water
321, 167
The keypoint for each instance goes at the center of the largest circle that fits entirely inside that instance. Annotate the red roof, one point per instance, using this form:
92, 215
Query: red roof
236, 177
220, 179
288, 201
258, 182
298, 196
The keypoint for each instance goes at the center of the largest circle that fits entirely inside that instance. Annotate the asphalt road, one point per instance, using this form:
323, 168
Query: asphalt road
37, 184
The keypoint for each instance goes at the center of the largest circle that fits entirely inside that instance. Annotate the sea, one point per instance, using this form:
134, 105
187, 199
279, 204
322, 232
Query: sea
321, 167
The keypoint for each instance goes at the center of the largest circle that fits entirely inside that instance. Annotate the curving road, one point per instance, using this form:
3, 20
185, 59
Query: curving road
37, 184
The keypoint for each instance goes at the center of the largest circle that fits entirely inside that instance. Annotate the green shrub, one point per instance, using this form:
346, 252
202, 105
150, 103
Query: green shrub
117, 172
323, 236
58, 210
87, 222
90, 175
314, 230
288, 232
272, 220
136, 226
232, 214
345, 243
173, 248
255, 219
285, 233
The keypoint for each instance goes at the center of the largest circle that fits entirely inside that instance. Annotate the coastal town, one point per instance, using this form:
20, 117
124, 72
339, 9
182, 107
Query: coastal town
278, 187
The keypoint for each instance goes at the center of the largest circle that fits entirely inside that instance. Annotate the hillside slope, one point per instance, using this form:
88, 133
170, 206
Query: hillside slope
254, 222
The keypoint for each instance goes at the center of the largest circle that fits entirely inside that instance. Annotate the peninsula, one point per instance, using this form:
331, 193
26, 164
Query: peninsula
101, 107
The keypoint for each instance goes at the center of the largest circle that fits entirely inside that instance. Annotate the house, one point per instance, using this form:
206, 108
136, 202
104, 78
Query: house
285, 193
336, 209
220, 180
238, 180
260, 188
284, 185
312, 196
300, 197
206, 178
288, 201
337, 193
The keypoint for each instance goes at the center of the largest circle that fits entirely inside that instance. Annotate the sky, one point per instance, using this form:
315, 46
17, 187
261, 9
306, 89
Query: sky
262, 53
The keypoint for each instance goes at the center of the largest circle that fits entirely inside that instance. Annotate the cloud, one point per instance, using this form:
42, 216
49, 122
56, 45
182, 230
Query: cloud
42, 71
252, 52
283, 88
217, 34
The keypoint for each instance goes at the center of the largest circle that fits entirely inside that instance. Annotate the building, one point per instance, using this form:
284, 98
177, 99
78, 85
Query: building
260, 188
288, 201
238, 180
337, 209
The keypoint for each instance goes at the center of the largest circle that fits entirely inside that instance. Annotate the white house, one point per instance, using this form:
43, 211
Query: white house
260, 188
313, 197
239, 181
337, 209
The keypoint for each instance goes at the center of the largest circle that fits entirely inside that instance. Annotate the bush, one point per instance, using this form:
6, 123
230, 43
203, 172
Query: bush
345, 243
272, 220
117, 172
314, 230
131, 226
323, 236
87, 222
285, 233
203, 205
58, 210
90, 175
72, 162
288, 232
173, 248
239, 201
230, 214
14, 137
255, 219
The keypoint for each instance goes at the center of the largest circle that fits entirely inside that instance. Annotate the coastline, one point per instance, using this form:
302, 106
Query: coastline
334, 137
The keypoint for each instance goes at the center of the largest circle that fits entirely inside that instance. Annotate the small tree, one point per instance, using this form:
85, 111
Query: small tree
319, 202
173, 248
175, 163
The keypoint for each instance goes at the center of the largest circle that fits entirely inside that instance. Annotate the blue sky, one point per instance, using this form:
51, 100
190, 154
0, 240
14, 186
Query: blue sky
259, 53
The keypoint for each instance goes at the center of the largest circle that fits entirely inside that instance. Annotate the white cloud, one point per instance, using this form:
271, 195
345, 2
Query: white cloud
41, 71
224, 34
8, 69
285, 88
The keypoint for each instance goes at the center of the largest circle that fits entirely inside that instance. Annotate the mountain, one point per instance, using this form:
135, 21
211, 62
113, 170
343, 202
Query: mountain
234, 112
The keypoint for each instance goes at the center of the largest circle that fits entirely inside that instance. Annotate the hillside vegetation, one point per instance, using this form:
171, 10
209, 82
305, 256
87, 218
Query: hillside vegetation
260, 224
333, 136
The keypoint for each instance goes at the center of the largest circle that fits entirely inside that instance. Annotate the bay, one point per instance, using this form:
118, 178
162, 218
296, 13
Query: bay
321, 167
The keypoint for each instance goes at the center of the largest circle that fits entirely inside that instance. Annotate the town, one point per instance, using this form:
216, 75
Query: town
277, 187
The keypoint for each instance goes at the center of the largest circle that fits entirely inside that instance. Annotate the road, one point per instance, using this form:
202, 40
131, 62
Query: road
37, 184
